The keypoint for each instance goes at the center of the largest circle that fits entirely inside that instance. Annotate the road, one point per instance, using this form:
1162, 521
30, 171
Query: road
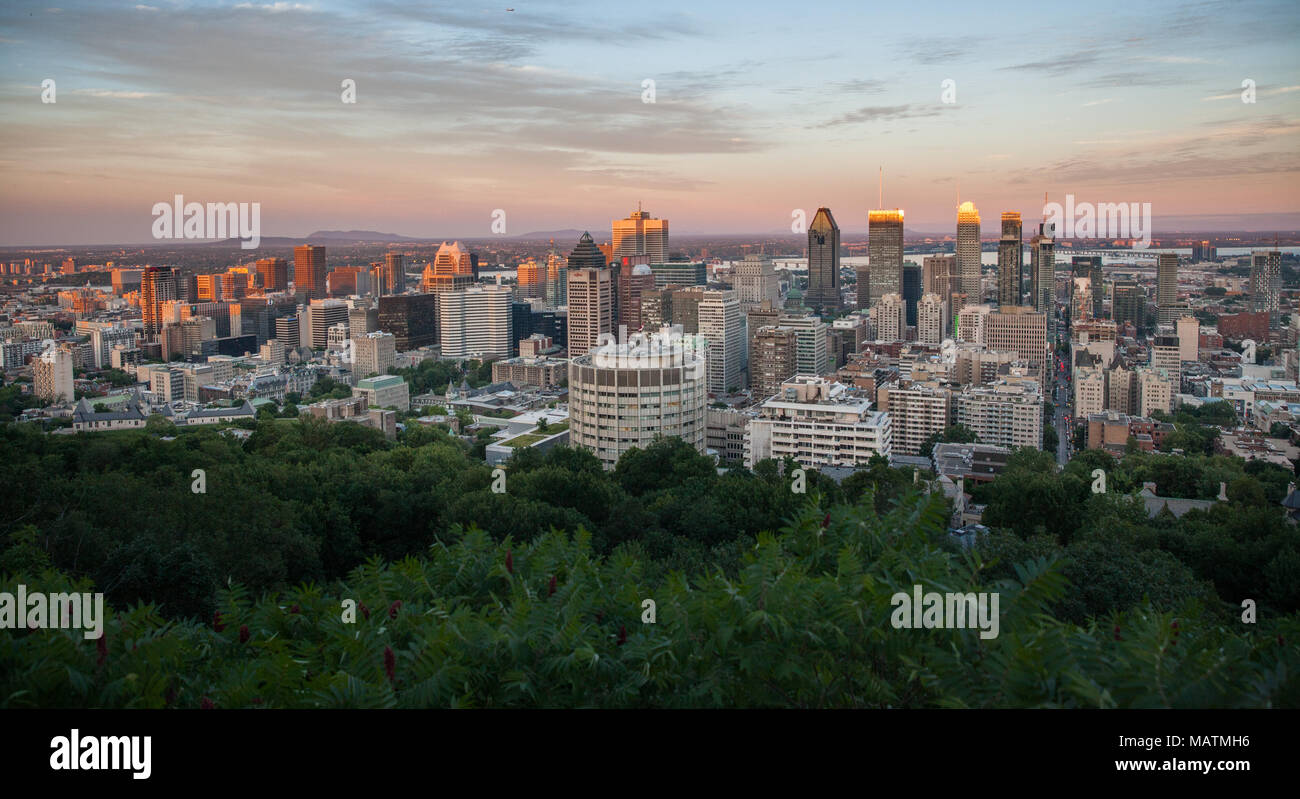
1061, 400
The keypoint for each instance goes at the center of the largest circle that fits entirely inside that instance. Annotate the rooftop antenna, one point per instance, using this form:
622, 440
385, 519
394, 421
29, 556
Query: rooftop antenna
880, 198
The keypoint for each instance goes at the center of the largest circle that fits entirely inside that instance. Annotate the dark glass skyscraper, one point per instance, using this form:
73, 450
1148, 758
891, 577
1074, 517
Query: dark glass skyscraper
1089, 266
823, 263
1010, 260
911, 291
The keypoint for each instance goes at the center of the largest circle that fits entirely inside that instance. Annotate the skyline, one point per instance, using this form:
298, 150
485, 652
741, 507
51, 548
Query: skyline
547, 120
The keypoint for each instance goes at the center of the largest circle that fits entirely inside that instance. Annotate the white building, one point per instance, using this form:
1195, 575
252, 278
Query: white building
622, 395
929, 319
475, 322
817, 422
52, 376
1005, 414
891, 318
721, 326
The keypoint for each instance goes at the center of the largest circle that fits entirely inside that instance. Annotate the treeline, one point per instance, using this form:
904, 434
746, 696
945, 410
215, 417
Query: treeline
1116, 554
805, 621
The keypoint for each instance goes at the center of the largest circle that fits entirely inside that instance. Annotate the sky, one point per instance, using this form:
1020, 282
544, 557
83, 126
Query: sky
467, 108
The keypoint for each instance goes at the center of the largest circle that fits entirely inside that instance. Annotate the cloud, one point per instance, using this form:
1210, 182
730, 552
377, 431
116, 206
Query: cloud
880, 113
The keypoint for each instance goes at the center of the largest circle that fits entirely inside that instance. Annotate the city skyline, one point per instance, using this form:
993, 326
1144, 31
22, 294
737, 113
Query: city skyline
463, 111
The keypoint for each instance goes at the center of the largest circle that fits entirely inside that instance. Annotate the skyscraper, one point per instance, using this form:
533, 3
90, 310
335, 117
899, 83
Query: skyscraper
823, 263
476, 322
929, 320
720, 325
586, 255
968, 250
639, 234
756, 282
531, 279
1265, 284
1089, 266
394, 273
591, 297
453, 259
885, 248
1167, 287
1010, 260
889, 318
157, 286
309, 271
1042, 267
1128, 303
556, 280
911, 291
275, 274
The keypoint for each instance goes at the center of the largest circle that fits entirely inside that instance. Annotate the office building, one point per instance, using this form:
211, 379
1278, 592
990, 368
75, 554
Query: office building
411, 318
1266, 284
884, 274
476, 323
373, 353
968, 251
640, 234
889, 318
591, 301
721, 327
773, 358
1010, 260
823, 263
621, 398
309, 271
385, 391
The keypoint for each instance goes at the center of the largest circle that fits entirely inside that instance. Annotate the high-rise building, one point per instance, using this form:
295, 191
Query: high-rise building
1166, 357
453, 259
823, 263
916, 411
52, 376
1042, 269
929, 320
756, 282
556, 280
1189, 338
1167, 287
817, 422
586, 255
811, 353
1266, 284
773, 358
1155, 391
885, 262
124, 280
288, 331
394, 274
623, 396
321, 316
476, 322
275, 274
1128, 303
531, 279
591, 305
373, 353
1005, 414
411, 318
1089, 266
209, 287
633, 281
309, 271
889, 318
1021, 330
104, 338
1010, 260
1204, 251
158, 285
968, 251
639, 234
911, 291
721, 327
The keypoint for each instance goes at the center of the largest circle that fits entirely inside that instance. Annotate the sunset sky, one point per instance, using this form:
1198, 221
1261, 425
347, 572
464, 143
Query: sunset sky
465, 107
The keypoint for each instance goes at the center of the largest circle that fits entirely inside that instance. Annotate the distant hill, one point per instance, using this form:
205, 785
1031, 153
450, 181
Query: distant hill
559, 235
358, 235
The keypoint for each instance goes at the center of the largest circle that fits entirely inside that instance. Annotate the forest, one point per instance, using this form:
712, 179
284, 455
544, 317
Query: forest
239, 596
